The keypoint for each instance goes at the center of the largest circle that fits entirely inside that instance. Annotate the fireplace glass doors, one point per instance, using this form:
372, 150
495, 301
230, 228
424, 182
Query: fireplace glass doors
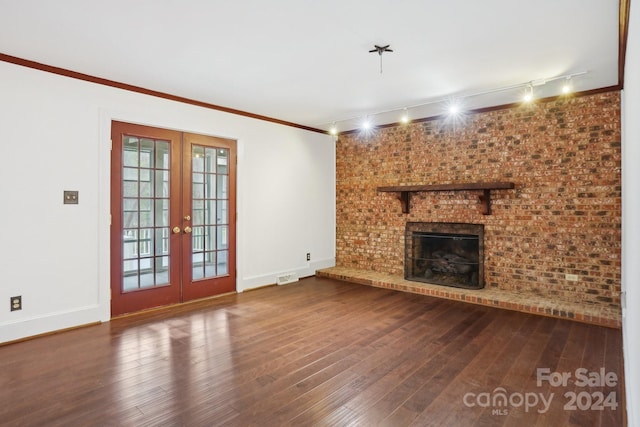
447, 254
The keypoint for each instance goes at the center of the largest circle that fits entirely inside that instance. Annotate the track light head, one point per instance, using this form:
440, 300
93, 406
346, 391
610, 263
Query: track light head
528, 94
566, 86
405, 117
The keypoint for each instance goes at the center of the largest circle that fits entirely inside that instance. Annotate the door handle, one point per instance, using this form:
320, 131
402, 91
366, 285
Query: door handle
187, 230
176, 230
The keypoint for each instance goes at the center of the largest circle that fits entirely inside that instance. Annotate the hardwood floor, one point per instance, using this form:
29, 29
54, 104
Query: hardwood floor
317, 352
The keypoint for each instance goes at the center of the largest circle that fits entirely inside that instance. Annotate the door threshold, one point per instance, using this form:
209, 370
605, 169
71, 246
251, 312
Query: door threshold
171, 307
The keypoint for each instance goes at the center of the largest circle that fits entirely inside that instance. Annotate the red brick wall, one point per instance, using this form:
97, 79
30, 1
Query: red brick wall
564, 215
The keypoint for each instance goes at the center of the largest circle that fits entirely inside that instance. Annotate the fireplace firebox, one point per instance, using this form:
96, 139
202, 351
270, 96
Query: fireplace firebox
448, 254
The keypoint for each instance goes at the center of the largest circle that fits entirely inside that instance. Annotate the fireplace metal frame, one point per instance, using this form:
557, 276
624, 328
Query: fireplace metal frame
443, 228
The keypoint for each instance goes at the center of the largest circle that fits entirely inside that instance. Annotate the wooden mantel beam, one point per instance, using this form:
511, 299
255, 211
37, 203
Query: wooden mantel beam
485, 198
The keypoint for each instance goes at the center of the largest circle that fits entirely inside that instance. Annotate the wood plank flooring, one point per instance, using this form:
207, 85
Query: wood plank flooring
318, 352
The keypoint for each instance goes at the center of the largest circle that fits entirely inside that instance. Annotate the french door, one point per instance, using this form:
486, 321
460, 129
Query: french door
172, 217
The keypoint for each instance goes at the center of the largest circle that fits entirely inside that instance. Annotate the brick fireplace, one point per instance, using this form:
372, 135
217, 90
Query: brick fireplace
560, 221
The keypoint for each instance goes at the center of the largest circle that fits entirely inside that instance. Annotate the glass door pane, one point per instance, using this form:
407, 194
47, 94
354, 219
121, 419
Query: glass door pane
145, 213
210, 199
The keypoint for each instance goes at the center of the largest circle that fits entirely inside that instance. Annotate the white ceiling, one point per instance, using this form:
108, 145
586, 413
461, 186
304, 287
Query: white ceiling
307, 62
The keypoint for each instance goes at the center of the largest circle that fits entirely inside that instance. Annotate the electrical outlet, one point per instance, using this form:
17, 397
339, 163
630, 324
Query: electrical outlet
16, 303
571, 277
70, 197
308, 256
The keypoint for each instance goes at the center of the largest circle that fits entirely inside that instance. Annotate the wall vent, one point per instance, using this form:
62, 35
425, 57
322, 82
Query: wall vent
283, 279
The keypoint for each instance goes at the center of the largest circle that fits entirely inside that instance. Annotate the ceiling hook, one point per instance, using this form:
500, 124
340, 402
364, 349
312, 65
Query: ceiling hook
381, 50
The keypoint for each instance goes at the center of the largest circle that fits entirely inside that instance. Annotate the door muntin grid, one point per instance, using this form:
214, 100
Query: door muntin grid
210, 212
145, 213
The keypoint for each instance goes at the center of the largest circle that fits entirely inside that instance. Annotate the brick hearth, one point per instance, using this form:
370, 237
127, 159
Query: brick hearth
596, 314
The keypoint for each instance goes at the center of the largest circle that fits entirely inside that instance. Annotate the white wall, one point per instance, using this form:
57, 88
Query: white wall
54, 136
631, 217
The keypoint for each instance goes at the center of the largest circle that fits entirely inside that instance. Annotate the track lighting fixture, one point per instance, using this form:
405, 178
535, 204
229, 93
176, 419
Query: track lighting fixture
452, 107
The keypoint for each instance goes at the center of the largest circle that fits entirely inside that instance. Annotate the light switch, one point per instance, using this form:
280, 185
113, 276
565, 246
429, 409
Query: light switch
70, 197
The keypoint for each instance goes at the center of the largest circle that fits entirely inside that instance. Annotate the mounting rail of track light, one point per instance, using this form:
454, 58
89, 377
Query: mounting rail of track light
404, 110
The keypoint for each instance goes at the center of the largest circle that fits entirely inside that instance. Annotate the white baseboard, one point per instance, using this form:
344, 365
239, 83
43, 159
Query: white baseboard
296, 272
51, 322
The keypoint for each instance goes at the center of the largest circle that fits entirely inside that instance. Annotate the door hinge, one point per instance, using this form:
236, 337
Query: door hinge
111, 145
